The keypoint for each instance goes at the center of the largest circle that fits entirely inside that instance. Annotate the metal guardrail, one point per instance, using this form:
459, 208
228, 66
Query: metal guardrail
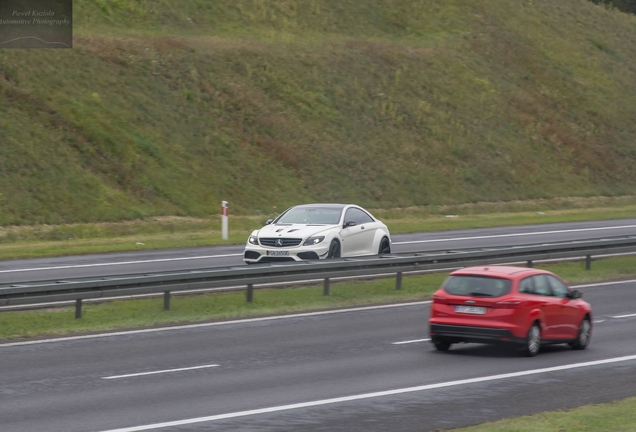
32, 293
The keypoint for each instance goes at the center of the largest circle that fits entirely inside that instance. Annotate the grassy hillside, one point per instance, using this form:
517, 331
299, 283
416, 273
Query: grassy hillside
167, 108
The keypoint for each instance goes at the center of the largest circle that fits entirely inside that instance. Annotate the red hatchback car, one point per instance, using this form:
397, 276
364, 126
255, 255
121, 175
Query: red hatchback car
514, 305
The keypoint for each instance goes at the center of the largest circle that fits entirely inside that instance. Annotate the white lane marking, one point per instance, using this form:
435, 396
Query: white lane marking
604, 284
160, 372
213, 324
598, 321
624, 316
118, 263
411, 341
514, 234
371, 395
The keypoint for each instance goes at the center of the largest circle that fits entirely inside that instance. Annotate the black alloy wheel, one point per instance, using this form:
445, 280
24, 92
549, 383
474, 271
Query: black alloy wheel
385, 246
334, 249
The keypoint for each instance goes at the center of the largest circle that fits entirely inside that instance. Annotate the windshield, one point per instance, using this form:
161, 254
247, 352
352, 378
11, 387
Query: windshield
477, 286
311, 215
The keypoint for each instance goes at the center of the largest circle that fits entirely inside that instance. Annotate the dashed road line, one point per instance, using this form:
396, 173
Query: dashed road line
117, 263
159, 372
410, 341
624, 316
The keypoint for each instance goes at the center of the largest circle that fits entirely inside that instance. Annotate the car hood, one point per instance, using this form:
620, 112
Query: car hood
294, 230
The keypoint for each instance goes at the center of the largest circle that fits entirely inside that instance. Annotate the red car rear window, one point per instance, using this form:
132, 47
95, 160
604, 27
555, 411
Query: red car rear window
477, 286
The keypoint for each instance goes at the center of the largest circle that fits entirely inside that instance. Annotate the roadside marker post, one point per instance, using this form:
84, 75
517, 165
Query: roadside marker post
224, 219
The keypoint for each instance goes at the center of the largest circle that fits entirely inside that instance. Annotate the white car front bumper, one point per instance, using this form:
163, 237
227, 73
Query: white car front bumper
259, 254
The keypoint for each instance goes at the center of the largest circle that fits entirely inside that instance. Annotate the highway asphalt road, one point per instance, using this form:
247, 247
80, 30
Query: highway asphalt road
14, 271
367, 369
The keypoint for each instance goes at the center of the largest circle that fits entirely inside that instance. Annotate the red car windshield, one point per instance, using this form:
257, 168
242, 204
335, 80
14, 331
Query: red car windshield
477, 286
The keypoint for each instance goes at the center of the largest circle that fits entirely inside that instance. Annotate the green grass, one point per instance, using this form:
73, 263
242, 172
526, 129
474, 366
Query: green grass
165, 109
616, 416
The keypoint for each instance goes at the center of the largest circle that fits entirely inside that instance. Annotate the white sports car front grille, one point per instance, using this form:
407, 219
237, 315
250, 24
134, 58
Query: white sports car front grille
279, 241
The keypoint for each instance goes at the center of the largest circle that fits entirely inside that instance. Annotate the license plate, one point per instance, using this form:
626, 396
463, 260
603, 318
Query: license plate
470, 310
277, 253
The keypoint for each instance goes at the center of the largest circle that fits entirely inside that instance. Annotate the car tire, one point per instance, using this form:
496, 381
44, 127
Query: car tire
334, 249
532, 344
441, 345
385, 246
583, 336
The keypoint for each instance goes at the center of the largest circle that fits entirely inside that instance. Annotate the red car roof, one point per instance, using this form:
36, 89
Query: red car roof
508, 272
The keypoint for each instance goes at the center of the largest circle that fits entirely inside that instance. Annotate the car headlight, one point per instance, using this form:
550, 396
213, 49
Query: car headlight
253, 240
313, 240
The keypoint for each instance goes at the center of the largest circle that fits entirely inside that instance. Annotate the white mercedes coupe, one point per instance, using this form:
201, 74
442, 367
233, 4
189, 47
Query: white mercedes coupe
318, 231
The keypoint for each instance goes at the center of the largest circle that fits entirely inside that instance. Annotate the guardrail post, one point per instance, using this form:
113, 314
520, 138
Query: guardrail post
78, 308
250, 293
166, 300
325, 289
588, 262
529, 265
398, 281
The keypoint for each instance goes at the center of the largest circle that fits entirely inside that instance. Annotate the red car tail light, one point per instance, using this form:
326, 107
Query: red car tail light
439, 299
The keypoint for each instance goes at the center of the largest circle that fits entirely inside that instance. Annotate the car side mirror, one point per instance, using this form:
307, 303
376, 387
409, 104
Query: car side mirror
575, 294
350, 223
269, 221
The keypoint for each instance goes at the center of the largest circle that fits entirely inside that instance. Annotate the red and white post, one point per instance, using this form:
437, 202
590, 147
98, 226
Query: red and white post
224, 219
